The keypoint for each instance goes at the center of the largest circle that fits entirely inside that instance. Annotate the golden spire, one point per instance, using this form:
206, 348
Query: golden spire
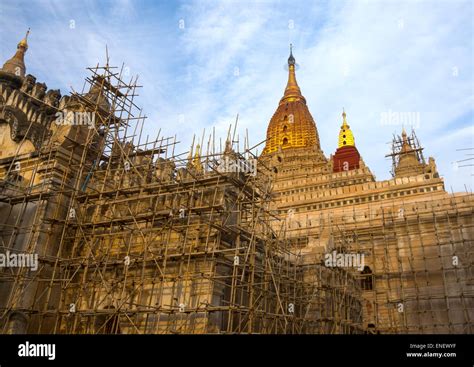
292, 125
292, 90
346, 138
344, 121
24, 42
16, 65
197, 159
406, 147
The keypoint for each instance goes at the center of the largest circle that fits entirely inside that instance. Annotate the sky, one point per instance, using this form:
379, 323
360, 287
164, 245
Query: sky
389, 64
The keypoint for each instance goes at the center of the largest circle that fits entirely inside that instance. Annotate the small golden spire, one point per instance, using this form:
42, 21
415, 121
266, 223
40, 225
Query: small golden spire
24, 42
197, 159
346, 138
406, 147
344, 121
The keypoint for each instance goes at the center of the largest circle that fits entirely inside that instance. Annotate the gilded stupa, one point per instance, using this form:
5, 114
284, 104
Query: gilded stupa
347, 156
292, 125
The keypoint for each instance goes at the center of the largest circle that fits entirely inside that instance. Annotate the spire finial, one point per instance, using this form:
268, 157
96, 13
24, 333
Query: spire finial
292, 91
291, 59
406, 146
24, 42
344, 121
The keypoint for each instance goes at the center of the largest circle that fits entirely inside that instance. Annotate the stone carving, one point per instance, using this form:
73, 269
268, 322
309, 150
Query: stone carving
16, 122
63, 102
182, 174
52, 97
39, 90
28, 84
13, 125
164, 170
20, 127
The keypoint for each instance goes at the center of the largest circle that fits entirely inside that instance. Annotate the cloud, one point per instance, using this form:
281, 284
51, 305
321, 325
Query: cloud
202, 63
369, 57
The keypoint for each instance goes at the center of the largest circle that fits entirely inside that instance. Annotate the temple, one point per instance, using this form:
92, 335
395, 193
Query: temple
106, 231
405, 226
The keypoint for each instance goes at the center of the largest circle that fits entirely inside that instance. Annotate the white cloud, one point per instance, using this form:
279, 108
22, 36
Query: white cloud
369, 57
366, 56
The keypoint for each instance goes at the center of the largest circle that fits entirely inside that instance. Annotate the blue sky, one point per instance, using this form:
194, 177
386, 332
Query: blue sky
371, 57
